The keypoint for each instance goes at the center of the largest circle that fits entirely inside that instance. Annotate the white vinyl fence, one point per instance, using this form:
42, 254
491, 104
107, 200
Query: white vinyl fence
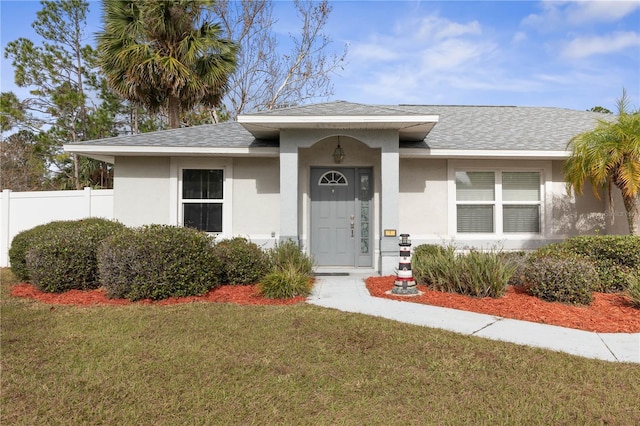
24, 210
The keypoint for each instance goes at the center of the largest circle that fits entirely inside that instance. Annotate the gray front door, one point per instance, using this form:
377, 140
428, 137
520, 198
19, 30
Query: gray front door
340, 233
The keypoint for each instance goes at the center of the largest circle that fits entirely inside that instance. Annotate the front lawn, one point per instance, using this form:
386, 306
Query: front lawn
217, 363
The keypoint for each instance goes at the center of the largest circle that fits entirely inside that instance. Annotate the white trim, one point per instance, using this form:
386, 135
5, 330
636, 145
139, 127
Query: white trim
341, 119
485, 154
545, 170
107, 150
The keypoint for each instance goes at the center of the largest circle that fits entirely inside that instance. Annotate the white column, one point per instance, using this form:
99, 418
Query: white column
389, 205
288, 188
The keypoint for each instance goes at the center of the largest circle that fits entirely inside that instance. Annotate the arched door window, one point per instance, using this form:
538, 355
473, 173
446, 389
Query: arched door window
333, 178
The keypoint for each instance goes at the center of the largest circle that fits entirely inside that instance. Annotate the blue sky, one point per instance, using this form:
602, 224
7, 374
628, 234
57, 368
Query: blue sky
570, 54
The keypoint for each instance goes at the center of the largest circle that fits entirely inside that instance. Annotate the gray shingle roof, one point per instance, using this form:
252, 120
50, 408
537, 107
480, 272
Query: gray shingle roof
225, 135
504, 128
458, 128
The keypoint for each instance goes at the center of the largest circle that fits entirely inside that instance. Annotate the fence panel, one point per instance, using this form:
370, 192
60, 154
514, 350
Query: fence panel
24, 210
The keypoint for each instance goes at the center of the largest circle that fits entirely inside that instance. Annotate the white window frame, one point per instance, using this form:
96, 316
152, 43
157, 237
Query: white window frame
226, 165
542, 167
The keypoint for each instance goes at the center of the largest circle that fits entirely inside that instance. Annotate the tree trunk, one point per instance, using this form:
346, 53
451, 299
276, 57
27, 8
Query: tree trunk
631, 206
173, 108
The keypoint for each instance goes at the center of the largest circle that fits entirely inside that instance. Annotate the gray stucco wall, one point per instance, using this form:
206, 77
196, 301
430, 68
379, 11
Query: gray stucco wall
423, 206
141, 190
256, 197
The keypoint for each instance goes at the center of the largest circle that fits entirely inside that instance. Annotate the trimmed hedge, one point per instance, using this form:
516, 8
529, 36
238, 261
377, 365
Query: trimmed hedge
614, 256
23, 240
242, 261
560, 277
157, 262
62, 256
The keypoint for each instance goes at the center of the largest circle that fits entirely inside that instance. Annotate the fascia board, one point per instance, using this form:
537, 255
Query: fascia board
460, 153
91, 150
284, 120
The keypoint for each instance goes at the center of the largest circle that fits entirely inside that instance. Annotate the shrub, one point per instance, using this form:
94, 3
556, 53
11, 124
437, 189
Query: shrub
285, 283
63, 255
614, 256
242, 261
518, 261
291, 272
18, 252
288, 253
427, 256
633, 290
157, 262
475, 273
484, 274
561, 278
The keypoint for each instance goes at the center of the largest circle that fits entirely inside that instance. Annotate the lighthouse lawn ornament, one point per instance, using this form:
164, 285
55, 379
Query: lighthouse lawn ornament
405, 284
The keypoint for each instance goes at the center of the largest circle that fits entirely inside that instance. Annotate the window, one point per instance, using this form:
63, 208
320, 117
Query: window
333, 178
498, 202
202, 199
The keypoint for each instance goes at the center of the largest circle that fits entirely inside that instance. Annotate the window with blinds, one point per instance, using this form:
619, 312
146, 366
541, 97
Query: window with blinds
498, 202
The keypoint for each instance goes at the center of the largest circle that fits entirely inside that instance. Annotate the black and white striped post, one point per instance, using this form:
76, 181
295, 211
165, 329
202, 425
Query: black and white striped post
405, 284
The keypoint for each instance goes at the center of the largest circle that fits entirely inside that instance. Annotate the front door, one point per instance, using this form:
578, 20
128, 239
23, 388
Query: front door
340, 220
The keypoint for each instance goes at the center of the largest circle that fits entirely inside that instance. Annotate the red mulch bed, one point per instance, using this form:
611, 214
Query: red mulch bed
608, 313
241, 294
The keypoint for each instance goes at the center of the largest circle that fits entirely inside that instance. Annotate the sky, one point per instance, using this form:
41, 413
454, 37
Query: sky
567, 54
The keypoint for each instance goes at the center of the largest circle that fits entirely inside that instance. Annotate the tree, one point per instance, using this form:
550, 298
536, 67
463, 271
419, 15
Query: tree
268, 76
609, 155
57, 72
22, 164
165, 54
600, 109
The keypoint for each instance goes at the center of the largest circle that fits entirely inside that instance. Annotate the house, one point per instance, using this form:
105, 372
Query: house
346, 179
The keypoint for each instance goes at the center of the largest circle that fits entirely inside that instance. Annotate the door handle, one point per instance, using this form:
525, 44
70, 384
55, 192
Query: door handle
353, 224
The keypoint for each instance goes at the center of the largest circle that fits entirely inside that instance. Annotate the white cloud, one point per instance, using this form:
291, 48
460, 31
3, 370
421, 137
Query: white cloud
599, 11
582, 47
556, 15
518, 37
436, 28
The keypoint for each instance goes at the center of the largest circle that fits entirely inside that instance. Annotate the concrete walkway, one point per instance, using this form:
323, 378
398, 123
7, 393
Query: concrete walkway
350, 294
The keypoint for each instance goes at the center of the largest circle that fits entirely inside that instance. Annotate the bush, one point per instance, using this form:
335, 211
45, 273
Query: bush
427, 256
242, 261
288, 253
561, 278
291, 272
484, 274
476, 273
614, 256
62, 256
285, 283
18, 252
518, 261
157, 262
633, 289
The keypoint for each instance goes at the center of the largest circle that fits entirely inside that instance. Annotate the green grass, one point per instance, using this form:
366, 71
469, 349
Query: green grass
226, 364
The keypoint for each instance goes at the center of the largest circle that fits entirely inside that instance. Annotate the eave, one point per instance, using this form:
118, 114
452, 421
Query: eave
410, 127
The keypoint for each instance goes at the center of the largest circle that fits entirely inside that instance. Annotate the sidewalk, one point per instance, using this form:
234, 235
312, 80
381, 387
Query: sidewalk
350, 294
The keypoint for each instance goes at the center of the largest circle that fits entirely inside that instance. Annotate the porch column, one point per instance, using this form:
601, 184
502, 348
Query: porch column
288, 188
389, 204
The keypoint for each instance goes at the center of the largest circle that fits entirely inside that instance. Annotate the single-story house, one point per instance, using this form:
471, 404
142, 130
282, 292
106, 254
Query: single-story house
346, 179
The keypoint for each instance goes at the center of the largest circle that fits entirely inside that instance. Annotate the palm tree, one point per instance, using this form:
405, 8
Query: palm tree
165, 54
609, 155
